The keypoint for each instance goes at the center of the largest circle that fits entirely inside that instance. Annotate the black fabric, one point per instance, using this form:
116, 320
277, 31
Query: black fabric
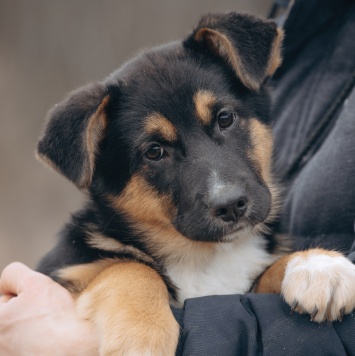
319, 56
256, 324
351, 255
325, 217
285, 334
235, 335
319, 208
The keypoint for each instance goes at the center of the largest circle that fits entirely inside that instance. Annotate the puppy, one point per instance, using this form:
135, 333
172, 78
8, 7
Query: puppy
173, 151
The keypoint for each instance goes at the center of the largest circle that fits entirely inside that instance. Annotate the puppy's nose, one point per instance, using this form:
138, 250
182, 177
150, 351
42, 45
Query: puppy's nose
230, 206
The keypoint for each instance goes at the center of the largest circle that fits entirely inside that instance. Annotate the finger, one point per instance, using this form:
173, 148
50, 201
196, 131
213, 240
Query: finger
5, 298
11, 281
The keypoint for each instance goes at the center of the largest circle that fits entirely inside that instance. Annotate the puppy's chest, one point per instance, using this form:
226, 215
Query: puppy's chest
230, 268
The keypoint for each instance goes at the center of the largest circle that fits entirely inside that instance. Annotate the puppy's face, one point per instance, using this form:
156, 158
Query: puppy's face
178, 138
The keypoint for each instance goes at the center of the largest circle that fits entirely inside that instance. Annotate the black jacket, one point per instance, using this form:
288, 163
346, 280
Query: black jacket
315, 85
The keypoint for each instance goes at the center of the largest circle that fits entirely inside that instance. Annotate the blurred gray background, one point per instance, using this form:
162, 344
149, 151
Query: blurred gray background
47, 48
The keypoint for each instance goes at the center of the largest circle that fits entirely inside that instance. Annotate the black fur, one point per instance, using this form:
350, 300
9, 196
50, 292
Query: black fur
250, 37
164, 80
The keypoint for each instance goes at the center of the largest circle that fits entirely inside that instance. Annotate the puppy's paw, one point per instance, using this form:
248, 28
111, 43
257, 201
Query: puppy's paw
320, 283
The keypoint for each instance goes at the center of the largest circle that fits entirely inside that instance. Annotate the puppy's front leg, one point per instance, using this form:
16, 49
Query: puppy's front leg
129, 304
316, 281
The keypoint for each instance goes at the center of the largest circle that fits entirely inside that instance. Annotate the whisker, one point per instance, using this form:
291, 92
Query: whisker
106, 226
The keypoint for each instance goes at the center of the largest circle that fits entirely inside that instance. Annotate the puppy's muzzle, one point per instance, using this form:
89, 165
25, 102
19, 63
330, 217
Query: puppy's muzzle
229, 206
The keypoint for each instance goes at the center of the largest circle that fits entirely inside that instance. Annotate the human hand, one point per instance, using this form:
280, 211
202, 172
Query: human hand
38, 317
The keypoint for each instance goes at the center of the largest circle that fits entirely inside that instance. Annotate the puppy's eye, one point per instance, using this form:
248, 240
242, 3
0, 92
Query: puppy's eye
155, 152
225, 119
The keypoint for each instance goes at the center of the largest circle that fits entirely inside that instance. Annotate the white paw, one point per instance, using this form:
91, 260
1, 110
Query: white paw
321, 284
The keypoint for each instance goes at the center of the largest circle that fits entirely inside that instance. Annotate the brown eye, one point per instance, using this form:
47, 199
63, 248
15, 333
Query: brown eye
225, 119
155, 152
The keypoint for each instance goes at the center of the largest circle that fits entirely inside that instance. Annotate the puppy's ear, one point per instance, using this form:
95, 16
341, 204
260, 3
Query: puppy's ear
73, 132
250, 45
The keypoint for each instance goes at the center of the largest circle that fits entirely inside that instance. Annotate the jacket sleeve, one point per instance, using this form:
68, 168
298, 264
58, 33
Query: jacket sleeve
258, 324
351, 255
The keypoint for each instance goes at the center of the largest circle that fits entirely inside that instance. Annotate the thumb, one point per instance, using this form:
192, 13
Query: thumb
16, 276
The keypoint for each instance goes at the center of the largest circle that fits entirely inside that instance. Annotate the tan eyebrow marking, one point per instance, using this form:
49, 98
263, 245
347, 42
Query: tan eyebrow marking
204, 100
158, 124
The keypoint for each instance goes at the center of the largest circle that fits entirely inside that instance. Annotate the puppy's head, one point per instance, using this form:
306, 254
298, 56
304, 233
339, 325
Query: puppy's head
179, 138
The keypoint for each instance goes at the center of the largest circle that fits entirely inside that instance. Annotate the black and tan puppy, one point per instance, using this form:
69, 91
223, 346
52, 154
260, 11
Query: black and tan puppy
174, 152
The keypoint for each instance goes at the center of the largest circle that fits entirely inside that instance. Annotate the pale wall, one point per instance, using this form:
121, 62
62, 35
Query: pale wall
47, 48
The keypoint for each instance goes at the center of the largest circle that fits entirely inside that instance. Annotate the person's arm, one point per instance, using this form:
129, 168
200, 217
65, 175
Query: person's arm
38, 317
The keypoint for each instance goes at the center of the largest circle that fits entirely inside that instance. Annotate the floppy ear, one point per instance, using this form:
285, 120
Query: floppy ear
250, 45
73, 132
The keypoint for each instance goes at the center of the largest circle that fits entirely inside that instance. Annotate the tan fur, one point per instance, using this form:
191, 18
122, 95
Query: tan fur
220, 43
222, 46
262, 228
275, 58
153, 214
47, 162
316, 251
317, 282
129, 304
261, 152
103, 242
271, 280
94, 134
319, 299
158, 124
76, 278
204, 101
142, 203
91, 138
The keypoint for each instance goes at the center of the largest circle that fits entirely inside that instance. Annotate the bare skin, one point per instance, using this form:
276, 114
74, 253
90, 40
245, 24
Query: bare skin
38, 317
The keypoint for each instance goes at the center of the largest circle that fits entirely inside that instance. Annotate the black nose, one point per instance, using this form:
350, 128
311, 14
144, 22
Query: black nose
230, 206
